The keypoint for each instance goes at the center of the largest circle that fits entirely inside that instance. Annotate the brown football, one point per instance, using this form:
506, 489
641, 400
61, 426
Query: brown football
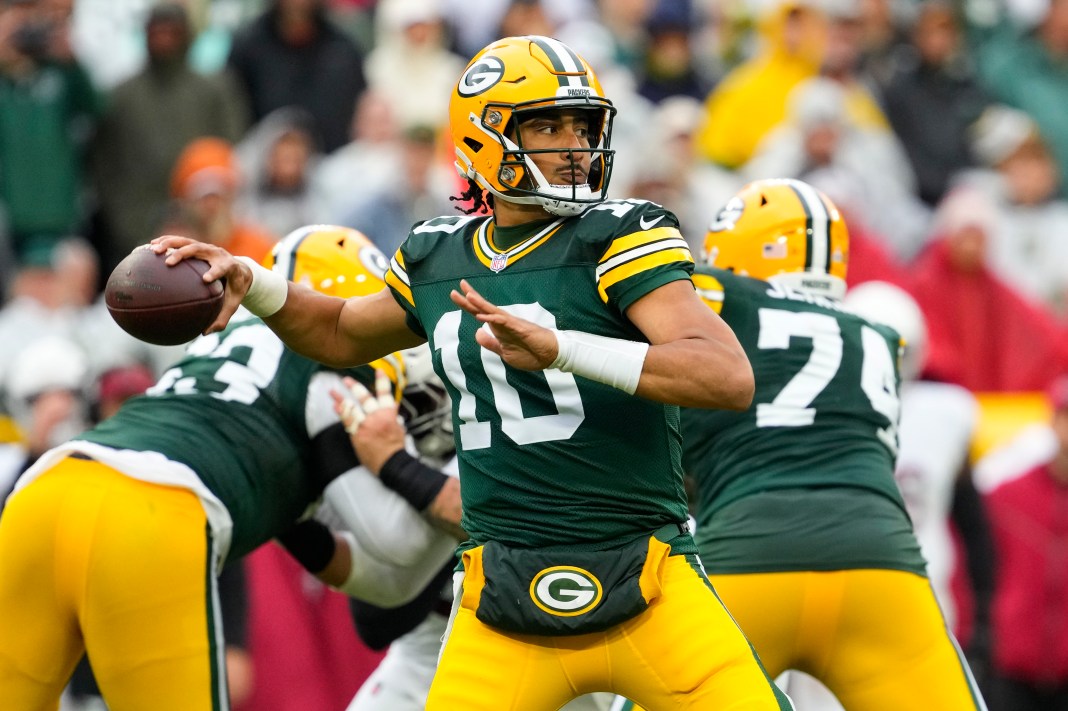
161, 304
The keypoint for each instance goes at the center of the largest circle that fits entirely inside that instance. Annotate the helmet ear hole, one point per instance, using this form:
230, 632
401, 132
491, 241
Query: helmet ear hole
472, 144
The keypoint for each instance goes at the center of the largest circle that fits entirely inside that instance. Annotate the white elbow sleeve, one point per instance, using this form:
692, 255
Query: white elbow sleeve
385, 525
387, 585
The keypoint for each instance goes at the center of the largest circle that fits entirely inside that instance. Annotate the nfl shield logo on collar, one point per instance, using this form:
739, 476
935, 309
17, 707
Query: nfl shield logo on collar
499, 262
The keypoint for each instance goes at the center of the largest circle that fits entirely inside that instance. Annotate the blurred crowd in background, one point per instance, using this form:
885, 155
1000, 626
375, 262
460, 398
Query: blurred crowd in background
939, 127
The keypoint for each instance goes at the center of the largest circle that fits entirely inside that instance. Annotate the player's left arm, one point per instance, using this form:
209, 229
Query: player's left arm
694, 358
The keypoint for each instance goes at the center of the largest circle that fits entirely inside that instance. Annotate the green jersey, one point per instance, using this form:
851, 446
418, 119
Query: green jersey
547, 458
824, 417
240, 410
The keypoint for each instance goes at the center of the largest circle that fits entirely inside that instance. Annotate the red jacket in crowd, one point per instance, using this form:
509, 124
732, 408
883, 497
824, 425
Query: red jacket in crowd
1029, 521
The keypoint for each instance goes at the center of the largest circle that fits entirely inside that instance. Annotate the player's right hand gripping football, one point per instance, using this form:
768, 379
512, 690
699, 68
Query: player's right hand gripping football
236, 275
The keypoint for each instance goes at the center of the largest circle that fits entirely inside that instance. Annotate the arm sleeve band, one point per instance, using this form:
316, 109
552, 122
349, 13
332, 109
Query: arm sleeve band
311, 543
612, 361
332, 454
268, 291
412, 479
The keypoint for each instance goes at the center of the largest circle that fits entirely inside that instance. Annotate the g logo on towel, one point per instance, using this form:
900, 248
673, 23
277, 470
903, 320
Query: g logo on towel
565, 591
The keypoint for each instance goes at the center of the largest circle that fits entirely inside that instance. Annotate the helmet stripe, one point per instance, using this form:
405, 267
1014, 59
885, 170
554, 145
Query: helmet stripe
569, 68
817, 228
285, 252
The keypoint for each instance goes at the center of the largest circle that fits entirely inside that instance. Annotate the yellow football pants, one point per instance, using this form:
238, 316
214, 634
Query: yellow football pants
875, 638
683, 652
94, 560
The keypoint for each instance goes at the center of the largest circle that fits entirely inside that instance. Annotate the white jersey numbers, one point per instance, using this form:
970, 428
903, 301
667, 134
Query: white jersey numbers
240, 364
523, 430
792, 407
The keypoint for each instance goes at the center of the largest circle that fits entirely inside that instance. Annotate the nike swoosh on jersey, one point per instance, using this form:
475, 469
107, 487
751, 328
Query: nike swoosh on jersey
648, 225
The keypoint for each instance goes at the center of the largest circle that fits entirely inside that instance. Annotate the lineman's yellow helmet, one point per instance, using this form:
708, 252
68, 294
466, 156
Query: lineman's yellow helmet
782, 230
511, 77
333, 260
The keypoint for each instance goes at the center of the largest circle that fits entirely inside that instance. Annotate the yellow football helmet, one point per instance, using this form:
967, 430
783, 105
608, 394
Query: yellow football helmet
337, 261
333, 260
782, 230
518, 75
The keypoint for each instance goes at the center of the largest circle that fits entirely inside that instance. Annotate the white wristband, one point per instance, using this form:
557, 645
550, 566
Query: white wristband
268, 291
612, 361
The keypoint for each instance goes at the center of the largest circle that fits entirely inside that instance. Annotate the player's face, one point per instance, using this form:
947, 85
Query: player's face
567, 130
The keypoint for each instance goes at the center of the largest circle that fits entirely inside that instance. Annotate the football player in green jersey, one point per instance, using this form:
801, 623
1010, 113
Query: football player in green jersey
567, 330
111, 542
800, 524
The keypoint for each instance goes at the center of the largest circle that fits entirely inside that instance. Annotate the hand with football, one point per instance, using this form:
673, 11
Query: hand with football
161, 304
223, 266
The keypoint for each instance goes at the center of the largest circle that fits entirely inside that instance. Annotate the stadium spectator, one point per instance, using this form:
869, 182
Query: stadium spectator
411, 44
1024, 67
421, 186
48, 111
1019, 178
279, 157
752, 98
933, 97
205, 183
1030, 610
667, 67
46, 390
150, 118
373, 154
292, 55
674, 176
821, 142
983, 334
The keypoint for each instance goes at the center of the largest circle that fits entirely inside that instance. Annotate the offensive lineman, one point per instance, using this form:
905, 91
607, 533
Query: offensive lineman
572, 488
800, 524
111, 542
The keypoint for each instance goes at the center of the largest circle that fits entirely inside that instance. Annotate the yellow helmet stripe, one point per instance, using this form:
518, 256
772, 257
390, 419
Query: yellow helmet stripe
817, 228
628, 269
566, 64
285, 251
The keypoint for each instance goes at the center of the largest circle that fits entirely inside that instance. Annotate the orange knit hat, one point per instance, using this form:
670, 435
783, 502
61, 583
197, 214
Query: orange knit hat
205, 166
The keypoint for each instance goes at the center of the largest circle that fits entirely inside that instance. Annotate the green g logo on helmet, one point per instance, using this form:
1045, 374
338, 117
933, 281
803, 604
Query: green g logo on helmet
565, 591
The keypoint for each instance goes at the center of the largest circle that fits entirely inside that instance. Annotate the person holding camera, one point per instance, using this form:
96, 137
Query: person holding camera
49, 108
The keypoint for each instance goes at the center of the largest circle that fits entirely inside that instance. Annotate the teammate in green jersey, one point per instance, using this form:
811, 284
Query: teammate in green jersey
111, 543
800, 524
567, 331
